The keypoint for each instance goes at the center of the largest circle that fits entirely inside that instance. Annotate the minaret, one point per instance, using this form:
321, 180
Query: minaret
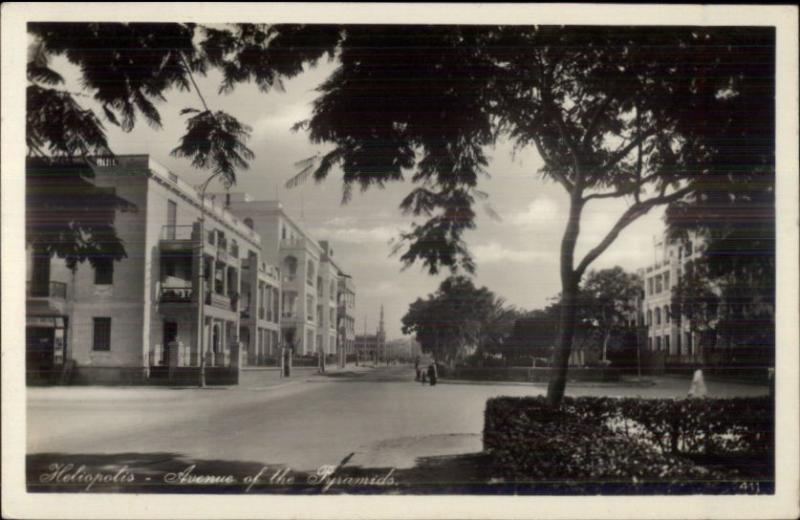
381, 330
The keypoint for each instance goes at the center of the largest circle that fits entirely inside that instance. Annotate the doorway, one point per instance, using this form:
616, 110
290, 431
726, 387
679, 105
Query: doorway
170, 336
40, 342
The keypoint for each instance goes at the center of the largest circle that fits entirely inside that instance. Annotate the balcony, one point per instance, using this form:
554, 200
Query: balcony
219, 301
177, 238
176, 294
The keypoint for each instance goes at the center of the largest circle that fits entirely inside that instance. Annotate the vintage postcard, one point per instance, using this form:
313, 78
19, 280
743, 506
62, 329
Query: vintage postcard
399, 261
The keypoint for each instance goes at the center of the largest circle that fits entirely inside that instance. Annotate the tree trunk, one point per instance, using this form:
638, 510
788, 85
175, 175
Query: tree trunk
569, 300
566, 328
606, 337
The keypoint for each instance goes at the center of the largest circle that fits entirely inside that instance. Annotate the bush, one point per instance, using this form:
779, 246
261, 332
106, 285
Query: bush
581, 447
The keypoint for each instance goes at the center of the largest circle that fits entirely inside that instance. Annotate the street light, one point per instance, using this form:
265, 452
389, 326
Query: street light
201, 303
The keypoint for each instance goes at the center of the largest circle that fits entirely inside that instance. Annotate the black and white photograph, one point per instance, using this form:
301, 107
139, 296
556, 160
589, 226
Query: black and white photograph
466, 261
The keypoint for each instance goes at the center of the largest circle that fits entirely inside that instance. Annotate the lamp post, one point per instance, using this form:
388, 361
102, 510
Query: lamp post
201, 300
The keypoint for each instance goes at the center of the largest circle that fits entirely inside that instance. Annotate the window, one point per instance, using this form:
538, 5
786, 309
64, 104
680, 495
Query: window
666, 343
333, 318
649, 318
104, 271
689, 248
649, 286
333, 290
310, 308
666, 314
102, 334
678, 338
649, 343
658, 316
172, 218
310, 273
659, 288
666, 281
658, 343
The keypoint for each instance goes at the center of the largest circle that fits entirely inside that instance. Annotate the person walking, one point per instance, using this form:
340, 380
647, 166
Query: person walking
432, 375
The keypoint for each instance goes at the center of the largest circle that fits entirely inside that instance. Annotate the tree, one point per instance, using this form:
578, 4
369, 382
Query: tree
608, 298
695, 300
127, 69
617, 112
497, 327
730, 312
450, 319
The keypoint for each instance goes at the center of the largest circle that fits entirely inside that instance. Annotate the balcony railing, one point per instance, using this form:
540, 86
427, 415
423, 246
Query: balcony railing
46, 290
218, 300
177, 232
176, 294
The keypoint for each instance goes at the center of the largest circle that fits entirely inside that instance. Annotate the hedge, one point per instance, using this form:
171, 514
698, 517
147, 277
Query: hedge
606, 445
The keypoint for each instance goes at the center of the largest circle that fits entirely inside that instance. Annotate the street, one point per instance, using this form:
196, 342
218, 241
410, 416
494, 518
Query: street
378, 418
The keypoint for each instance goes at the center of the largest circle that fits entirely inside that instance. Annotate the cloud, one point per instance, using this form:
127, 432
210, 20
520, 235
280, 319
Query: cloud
384, 288
539, 213
493, 252
279, 122
343, 232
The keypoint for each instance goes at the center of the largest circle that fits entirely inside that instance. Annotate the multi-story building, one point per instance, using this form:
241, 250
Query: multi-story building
346, 318
260, 312
668, 333
266, 285
122, 321
309, 276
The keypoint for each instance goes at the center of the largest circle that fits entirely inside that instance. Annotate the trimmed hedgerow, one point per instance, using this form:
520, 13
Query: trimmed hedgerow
626, 445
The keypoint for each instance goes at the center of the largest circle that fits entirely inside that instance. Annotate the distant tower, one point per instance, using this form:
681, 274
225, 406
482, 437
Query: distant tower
381, 330
380, 338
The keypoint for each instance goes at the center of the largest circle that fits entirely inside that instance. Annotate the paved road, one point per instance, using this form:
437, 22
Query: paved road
379, 418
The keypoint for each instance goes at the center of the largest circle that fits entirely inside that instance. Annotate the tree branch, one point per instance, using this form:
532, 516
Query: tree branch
596, 119
632, 190
620, 154
191, 77
631, 214
560, 177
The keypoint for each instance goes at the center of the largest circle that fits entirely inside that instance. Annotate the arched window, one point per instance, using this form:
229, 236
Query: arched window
666, 314
649, 318
658, 316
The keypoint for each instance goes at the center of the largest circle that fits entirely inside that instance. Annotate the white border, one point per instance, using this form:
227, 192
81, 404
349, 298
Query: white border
18, 504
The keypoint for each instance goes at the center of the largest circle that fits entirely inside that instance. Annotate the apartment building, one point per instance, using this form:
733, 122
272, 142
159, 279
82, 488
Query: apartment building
346, 319
666, 332
309, 275
127, 321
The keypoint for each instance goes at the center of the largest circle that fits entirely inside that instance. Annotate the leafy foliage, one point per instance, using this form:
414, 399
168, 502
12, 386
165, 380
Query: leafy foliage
67, 215
584, 445
608, 298
215, 141
127, 68
451, 319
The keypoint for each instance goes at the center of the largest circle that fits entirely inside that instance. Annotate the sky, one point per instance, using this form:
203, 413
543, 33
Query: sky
517, 257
